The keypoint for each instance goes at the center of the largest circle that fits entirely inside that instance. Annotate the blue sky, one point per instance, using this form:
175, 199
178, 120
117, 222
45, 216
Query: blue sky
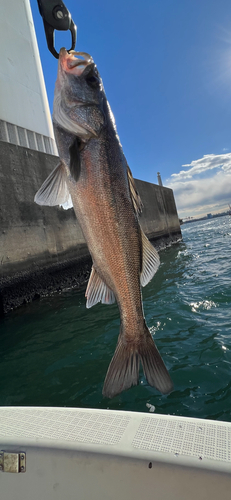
166, 68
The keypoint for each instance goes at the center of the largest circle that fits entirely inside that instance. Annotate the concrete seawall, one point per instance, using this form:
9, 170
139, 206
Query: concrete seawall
42, 249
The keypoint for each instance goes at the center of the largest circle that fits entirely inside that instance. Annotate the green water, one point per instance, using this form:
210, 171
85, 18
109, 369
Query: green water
55, 352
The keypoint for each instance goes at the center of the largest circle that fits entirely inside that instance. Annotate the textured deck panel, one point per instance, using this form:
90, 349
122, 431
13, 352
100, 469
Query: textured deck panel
64, 424
182, 437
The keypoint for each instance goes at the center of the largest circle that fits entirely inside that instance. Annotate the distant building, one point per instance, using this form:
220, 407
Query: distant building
209, 216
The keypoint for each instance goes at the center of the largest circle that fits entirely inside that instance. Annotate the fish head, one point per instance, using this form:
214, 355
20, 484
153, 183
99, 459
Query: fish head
79, 99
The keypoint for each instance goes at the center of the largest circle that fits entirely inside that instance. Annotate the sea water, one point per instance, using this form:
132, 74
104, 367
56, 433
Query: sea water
55, 352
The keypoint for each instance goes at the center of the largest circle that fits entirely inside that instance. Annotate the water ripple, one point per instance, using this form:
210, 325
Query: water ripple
55, 352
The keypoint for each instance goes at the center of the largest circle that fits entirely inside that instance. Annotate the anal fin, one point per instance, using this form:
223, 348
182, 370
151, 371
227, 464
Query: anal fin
98, 291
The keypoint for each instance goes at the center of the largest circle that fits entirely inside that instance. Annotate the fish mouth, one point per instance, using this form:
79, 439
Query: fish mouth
74, 62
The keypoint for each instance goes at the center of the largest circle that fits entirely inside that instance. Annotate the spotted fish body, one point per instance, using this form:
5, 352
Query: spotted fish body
94, 174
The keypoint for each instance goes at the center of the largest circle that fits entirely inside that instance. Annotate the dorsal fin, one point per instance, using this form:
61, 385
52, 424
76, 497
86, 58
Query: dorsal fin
151, 260
136, 200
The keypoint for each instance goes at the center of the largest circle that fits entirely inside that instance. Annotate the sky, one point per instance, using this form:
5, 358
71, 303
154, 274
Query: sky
166, 68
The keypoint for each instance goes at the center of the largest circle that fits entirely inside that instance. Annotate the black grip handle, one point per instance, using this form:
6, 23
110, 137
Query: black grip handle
56, 17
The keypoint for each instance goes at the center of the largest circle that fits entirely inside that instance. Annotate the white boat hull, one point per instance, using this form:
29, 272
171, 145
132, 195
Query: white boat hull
102, 454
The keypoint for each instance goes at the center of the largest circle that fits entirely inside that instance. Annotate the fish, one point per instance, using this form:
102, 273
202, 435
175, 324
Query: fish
94, 177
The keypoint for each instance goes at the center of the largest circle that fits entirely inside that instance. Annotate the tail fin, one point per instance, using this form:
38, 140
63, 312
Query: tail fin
123, 371
154, 368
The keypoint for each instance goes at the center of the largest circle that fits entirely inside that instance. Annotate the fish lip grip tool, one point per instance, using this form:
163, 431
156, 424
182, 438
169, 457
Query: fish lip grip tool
56, 17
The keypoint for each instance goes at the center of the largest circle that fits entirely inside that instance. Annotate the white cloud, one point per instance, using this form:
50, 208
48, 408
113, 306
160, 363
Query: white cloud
208, 162
202, 189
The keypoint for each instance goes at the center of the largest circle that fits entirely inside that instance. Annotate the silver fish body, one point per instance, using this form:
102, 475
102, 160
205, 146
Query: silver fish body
94, 172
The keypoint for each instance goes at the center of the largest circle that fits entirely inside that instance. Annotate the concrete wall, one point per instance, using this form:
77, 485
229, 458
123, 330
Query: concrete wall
42, 249
32, 236
159, 219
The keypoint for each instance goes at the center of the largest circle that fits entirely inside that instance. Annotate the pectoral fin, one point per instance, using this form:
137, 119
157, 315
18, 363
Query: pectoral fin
54, 190
151, 260
98, 291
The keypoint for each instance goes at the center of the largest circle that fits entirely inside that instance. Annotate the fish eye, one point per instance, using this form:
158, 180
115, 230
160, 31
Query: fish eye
92, 80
